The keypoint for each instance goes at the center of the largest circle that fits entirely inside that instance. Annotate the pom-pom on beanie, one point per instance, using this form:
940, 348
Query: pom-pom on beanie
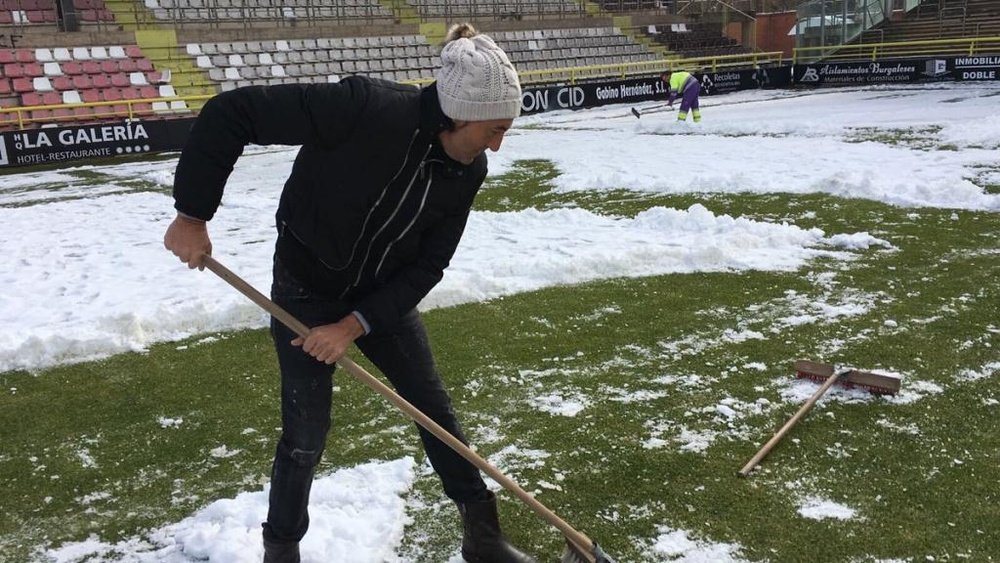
476, 81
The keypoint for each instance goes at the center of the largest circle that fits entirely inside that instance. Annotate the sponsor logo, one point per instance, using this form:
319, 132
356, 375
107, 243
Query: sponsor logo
4, 161
965, 62
979, 75
935, 68
810, 75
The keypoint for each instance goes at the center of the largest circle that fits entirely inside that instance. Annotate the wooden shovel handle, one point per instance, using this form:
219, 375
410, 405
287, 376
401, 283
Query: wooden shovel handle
579, 539
788, 425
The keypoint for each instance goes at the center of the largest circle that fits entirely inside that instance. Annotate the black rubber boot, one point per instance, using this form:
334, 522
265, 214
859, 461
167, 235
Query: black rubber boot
482, 540
280, 552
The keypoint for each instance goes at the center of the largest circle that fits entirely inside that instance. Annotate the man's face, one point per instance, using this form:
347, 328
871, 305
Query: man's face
469, 139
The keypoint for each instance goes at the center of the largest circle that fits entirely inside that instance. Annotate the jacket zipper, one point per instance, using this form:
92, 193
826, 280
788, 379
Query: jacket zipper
402, 200
364, 226
423, 200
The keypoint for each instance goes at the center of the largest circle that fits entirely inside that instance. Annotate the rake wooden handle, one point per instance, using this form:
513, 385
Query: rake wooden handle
788, 425
585, 544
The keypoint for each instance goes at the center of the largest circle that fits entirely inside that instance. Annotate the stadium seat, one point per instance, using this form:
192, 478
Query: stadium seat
62, 83
158, 76
33, 70
82, 82
31, 99
101, 81
71, 68
13, 70
71, 97
62, 114
51, 98
41, 84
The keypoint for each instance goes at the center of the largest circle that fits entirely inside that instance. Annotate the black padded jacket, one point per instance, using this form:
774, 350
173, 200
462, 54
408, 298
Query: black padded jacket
373, 209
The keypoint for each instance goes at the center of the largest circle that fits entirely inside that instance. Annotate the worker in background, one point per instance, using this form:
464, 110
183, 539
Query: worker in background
684, 84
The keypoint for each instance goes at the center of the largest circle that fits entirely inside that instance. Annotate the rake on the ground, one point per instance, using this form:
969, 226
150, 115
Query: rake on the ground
579, 548
651, 109
877, 383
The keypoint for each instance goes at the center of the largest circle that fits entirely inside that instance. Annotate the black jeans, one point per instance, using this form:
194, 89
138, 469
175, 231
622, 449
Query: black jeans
402, 353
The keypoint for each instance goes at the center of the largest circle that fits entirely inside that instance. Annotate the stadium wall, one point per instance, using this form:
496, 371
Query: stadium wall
53, 145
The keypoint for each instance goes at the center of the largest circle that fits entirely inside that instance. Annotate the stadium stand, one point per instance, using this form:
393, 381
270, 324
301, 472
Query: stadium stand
233, 64
504, 9
540, 49
695, 40
48, 12
164, 58
120, 79
635, 6
221, 12
941, 19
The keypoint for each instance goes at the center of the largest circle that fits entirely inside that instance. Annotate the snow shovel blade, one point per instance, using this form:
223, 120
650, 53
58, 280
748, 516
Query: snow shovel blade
574, 554
829, 375
878, 383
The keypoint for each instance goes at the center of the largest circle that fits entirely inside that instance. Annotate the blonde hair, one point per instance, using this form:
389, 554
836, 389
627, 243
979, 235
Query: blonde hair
458, 31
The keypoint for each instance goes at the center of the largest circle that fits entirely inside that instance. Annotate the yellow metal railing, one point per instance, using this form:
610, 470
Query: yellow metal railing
23, 114
568, 75
872, 51
622, 70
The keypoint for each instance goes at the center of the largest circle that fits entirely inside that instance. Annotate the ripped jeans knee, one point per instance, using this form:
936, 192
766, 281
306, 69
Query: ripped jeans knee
301, 457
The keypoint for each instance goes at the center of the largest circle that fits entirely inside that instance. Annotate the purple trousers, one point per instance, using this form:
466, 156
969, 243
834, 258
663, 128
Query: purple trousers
689, 95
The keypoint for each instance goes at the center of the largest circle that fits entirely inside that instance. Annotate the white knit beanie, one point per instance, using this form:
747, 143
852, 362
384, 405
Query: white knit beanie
476, 81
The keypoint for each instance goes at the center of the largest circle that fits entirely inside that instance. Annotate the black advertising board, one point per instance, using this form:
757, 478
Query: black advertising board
538, 99
980, 67
726, 82
49, 145
855, 73
984, 67
631, 90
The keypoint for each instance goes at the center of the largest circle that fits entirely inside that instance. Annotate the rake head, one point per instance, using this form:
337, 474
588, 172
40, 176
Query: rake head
877, 383
574, 554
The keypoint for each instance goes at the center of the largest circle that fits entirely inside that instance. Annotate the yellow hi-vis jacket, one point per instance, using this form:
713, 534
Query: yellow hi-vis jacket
678, 82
